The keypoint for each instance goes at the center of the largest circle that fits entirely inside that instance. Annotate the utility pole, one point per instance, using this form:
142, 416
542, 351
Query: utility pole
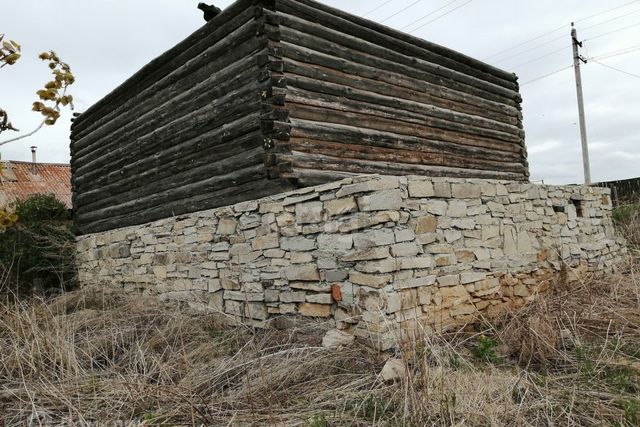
583, 126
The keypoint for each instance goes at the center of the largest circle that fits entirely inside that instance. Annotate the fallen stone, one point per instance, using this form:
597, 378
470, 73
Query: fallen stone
393, 370
337, 338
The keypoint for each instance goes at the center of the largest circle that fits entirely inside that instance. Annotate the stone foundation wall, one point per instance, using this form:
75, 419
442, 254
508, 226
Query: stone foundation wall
373, 253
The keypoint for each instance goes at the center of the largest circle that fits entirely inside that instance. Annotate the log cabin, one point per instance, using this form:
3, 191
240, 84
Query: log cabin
273, 95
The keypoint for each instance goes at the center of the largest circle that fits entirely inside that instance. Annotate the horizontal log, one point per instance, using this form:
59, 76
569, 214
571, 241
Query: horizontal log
231, 50
217, 96
312, 22
239, 186
347, 99
349, 48
199, 181
161, 170
395, 40
319, 115
397, 75
300, 161
187, 128
396, 155
223, 24
348, 134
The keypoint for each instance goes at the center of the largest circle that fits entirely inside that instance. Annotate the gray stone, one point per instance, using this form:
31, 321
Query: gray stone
371, 280
436, 207
420, 189
380, 183
309, 213
383, 266
373, 238
297, 244
471, 277
457, 209
308, 272
405, 235
423, 262
405, 249
381, 201
378, 252
338, 242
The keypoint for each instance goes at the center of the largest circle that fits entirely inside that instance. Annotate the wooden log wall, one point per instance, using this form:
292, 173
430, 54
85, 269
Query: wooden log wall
183, 134
274, 94
363, 98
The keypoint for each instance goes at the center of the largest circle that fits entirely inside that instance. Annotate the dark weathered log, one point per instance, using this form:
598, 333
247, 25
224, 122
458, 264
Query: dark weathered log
398, 127
227, 95
412, 40
231, 18
367, 34
233, 49
162, 170
353, 134
194, 136
300, 161
368, 54
239, 186
198, 181
184, 128
398, 108
394, 74
399, 155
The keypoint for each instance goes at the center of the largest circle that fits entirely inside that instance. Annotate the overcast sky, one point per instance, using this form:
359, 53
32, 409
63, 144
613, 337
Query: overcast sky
106, 41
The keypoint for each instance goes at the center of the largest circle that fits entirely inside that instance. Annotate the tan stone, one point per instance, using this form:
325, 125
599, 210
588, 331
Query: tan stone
314, 310
227, 226
270, 241
371, 280
465, 191
426, 224
342, 206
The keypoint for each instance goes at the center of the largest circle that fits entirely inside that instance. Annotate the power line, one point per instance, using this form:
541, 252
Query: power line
616, 69
532, 48
613, 32
617, 53
439, 17
562, 49
558, 29
562, 37
546, 75
400, 11
429, 14
377, 8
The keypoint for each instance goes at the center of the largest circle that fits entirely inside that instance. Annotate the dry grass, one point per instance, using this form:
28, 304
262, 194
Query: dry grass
572, 358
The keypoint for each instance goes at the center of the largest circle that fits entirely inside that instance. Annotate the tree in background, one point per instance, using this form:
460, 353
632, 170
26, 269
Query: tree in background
51, 98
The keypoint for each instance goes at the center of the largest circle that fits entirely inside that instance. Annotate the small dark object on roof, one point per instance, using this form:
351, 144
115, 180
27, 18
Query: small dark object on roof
210, 11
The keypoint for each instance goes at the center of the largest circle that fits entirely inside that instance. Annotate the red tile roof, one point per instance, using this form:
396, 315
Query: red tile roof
18, 182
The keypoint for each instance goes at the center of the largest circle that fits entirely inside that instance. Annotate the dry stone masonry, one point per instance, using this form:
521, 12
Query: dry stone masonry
376, 254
